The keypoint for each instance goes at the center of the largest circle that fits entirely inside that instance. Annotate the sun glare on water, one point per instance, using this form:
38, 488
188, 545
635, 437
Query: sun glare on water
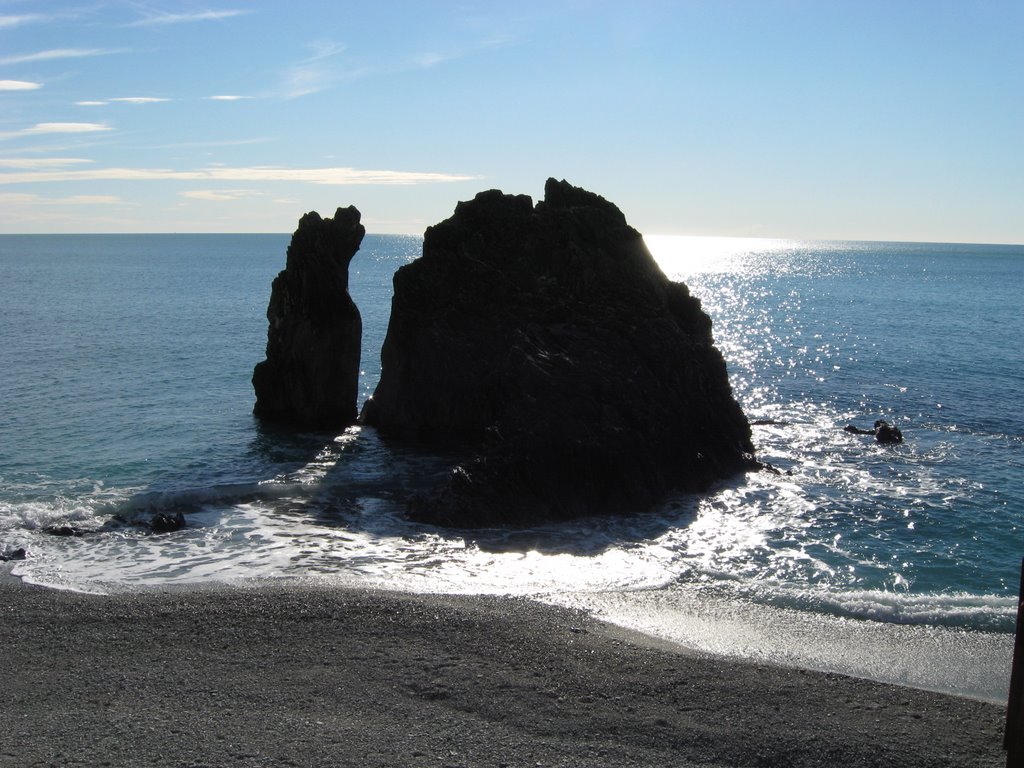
690, 254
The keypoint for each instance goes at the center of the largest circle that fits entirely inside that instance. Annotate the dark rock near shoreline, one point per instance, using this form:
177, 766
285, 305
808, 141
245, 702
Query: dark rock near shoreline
166, 522
547, 336
311, 375
13, 554
158, 522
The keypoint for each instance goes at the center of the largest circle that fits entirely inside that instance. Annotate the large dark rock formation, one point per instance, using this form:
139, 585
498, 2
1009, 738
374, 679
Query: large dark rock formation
584, 380
311, 375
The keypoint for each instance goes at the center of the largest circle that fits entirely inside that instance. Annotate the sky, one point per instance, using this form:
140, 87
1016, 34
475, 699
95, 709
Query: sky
823, 119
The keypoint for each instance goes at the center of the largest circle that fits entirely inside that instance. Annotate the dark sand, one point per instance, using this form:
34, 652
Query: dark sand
322, 677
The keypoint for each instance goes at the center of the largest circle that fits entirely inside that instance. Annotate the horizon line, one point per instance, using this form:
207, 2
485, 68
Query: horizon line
644, 235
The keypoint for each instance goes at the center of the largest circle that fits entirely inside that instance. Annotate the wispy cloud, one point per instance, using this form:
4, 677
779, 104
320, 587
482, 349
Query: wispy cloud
227, 97
51, 128
431, 59
16, 21
162, 19
41, 162
325, 49
54, 54
65, 128
203, 144
123, 100
319, 71
222, 195
19, 85
330, 176
323, 69
16, 198
19, 198
88, 200
140, 99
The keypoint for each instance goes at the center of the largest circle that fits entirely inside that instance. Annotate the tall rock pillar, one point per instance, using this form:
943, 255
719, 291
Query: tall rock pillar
310, 378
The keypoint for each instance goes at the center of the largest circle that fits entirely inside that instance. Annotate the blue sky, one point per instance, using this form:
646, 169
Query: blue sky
890, 120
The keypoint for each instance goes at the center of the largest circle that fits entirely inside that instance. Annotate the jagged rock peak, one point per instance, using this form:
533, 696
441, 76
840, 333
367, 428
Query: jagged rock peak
326, 244
311, 375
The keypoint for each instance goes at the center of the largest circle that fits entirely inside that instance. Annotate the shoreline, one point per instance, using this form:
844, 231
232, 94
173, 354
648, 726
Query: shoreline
316, 675
957, 661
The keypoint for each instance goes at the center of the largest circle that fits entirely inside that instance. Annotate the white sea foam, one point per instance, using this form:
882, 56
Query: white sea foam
255, 540
85, 508
957, 609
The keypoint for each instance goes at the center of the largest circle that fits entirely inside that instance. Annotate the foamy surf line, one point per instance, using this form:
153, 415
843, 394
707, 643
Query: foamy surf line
962, 662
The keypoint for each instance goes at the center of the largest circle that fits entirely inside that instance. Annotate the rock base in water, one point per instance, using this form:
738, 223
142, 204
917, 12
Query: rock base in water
547, 336
311, 375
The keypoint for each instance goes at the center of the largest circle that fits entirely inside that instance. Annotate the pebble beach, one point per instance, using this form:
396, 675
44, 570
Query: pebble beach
313, 676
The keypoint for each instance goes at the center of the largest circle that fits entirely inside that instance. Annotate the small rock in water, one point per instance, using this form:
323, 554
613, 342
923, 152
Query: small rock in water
167, 522
884, 432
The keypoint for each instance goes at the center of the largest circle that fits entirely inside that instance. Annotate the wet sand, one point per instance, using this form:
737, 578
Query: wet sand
310, 676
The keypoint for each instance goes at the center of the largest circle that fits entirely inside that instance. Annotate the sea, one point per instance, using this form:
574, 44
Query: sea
126, 363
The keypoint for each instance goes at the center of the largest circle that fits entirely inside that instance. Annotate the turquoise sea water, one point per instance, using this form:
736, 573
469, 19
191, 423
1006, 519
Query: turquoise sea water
126, 362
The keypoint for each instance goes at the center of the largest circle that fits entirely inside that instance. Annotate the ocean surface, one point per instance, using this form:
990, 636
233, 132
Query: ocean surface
126, 364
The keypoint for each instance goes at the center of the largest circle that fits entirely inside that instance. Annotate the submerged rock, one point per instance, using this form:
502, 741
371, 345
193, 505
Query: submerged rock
311, 375
584, 381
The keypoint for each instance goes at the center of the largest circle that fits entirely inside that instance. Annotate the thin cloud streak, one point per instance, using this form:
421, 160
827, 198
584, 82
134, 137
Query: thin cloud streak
41, 162
55, 54
185, 18
140, 100
204, 144
7, 22
24, 198
123, 100
51, 128
222, 195
65, 128
19, 85
327, 176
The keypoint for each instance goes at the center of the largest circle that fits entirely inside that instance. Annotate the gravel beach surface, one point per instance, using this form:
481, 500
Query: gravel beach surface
312, 676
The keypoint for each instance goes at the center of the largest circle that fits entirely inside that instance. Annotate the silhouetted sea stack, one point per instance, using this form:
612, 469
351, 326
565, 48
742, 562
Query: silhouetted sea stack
311, 375
584, 381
